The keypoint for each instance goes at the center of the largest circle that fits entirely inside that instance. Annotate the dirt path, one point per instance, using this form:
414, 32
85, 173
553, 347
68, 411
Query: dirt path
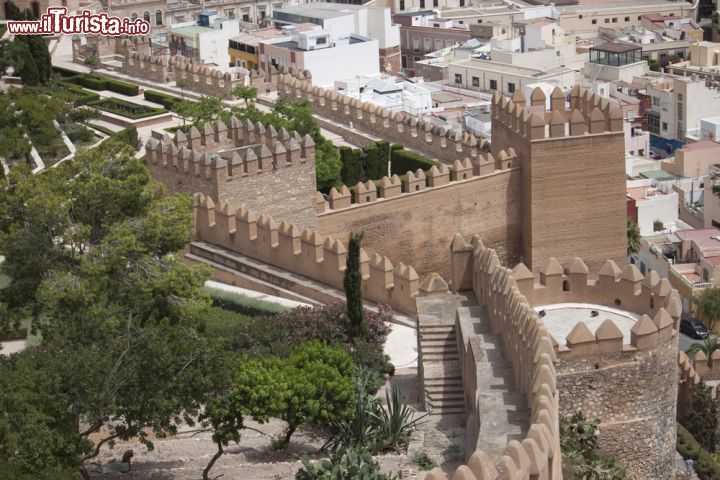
183, 457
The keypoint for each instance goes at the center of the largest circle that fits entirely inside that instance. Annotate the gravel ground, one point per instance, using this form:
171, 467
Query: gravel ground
184, 456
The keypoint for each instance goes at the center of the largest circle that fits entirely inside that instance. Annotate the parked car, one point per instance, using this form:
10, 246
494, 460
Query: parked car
693, 328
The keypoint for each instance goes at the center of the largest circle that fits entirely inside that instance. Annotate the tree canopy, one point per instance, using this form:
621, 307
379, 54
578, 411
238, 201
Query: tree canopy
93, 247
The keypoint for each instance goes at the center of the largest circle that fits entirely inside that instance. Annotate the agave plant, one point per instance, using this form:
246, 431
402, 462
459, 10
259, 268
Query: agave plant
396, 420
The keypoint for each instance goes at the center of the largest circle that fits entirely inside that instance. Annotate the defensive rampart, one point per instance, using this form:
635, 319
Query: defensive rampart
573, 165
630, 387
249, 164
528, 346
304, 252
436, 142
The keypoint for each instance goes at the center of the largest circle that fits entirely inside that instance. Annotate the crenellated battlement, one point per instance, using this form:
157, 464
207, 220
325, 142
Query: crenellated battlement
303, 251
199, 78
438, 142
240, 163
527, 345
419, 181
589, 113
650, 297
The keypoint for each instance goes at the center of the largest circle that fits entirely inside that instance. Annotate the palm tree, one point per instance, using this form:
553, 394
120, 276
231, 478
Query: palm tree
708, 347
633, 237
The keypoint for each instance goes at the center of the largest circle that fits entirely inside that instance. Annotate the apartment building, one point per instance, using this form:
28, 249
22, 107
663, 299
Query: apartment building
342, 20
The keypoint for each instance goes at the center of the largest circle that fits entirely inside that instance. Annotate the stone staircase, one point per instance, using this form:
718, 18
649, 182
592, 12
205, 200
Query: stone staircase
502, 409
440, 367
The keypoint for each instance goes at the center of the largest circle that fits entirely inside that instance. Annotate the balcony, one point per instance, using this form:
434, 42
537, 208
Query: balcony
689, 276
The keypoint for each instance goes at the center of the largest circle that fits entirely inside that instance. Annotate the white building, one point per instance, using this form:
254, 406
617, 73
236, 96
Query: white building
204, 41
342, 20
389, 92
652, 205
326, 57
710, 129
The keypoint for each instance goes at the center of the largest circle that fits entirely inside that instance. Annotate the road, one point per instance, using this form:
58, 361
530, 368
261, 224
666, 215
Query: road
684, 342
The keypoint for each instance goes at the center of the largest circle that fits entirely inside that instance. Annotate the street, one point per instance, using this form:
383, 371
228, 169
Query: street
684, 342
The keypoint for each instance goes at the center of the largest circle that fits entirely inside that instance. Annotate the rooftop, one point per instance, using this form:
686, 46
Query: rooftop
643, 193
293, 46
701, 145
705, 238
320, 10
189, 31
255, 37
615, 47
561, 318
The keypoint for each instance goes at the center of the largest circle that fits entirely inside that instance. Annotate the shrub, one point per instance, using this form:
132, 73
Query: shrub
702, 418
581, 453
241, 304
121, 87
78, 133
128, 136
78, 95
705, 466
404, 161
345, 465
125, 108
422, 461
64, 72
90, 81
168, 101
329, 324
100, 128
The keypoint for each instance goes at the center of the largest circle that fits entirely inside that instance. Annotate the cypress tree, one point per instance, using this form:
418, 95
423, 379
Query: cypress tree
29, 72
702, 418
41, 56
352, 283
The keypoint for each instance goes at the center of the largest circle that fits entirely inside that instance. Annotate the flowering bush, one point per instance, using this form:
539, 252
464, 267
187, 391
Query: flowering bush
279, 334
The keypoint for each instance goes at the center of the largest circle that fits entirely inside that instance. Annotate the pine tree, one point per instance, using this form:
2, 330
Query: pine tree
702, 418
352, 283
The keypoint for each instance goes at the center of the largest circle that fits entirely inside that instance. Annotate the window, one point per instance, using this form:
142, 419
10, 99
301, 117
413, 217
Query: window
656, 101
422, 3
403, 61
146, 16
594, 22
511, 87
627, 19
680, 97
435, 3
158, 17
133, 16
614, 20
706, 275
664, 126
475, 82
479, 20
321, 41
458, 79
246, 15
402, 4
416, 44
462, 3
493, 84
607, 20
36, 9
580, 17
427, 45
639, 17
438, 44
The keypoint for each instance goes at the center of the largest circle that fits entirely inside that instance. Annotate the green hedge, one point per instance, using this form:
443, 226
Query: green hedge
705, 467
168, 101
241, 304
128, 135
404, 161
125, 108
100, 128
81, 96
96, 82
19, 334
64, 72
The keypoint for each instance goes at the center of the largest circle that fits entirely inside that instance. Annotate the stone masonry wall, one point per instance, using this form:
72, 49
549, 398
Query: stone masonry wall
573, 167
417, 227
245, 165
633, 394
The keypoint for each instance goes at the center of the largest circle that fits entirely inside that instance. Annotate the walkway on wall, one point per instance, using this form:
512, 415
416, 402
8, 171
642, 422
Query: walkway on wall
242, 271
502, 409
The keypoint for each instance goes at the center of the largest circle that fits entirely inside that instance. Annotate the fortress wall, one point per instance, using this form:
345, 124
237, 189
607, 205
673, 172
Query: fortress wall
573, 167
304, 252
274, 174
631, 388
418, 226
435, 142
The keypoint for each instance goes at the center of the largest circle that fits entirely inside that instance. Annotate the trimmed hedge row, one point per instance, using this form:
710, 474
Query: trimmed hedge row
125, 108
96, 82
237, 303
82, 96
102, 129
404, 161
128, 135
705, 467
168, 101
